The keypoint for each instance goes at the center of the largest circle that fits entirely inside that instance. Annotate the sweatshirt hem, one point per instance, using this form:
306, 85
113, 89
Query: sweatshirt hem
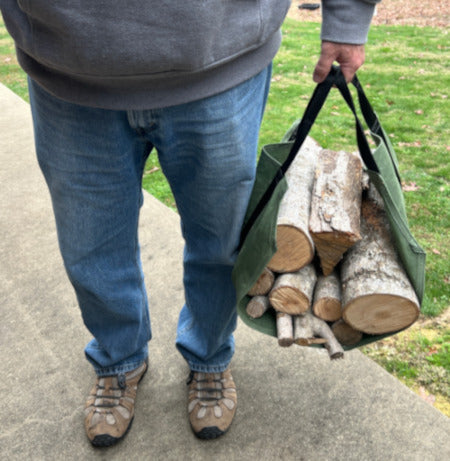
140, 93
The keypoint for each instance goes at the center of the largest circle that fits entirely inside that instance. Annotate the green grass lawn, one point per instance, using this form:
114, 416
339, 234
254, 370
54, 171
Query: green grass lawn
406, 78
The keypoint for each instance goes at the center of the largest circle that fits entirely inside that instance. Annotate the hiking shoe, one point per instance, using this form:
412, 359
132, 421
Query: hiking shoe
109, 409
212, 403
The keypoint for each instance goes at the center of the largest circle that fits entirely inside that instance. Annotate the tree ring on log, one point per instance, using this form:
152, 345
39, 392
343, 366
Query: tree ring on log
380, 313
294, 250
289, 300
328, 309
345, 334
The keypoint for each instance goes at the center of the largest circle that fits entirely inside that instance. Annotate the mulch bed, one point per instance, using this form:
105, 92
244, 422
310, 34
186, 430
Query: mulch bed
435, 13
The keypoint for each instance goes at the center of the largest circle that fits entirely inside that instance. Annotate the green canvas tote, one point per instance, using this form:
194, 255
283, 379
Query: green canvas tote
258, 238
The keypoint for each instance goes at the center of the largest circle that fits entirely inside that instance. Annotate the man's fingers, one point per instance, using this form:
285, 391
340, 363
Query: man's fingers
322, 69
350, 57
326, 59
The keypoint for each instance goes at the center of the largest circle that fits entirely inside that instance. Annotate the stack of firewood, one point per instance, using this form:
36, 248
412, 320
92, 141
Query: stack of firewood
332, 217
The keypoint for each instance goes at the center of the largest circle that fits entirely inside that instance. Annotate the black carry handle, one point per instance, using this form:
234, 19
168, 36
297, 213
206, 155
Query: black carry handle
372, 121
334, 78
312, 110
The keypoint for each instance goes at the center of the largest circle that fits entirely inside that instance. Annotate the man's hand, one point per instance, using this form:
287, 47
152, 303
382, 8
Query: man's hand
350, 57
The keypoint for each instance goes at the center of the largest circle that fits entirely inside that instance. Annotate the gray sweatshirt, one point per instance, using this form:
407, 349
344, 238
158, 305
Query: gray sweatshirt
139, 54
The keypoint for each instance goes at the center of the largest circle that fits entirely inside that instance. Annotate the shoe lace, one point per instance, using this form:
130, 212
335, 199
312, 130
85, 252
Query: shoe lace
209, 386
107, 394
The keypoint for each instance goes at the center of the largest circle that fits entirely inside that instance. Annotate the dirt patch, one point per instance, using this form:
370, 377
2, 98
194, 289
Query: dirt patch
435, 13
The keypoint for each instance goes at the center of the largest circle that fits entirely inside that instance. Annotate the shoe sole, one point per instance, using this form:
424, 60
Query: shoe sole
208, 433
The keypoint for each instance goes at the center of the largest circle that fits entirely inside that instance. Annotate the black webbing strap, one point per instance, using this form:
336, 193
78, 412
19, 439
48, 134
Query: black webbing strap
372, 121
312, 110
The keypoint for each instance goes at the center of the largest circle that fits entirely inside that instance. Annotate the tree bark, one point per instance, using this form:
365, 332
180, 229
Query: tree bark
377, 294
285, 329
264, 283
257, 306
292, 293
335, 207
345, 334
306, 330
327, 297
295, 248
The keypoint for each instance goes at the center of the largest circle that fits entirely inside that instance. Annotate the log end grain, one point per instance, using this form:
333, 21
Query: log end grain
257, 306
380, 313
285, 342
289, 300
332, 246
263, 284
328, 309
345, 334
295, 250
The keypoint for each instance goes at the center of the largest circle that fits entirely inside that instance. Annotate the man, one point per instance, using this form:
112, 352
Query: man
110, 81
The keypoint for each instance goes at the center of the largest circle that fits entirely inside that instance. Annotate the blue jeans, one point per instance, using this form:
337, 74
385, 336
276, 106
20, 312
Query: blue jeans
93, 161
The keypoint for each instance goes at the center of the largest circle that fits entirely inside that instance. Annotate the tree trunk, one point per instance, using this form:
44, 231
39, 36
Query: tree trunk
306, 330
295, 248
335, 206
257, 306
327, 298
377, 295
345, 334
292, 293
264, 283
285, 329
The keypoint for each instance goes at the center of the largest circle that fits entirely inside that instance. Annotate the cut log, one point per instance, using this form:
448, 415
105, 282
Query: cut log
345, 334
285, 329
377, 295
304, 333
295, 248
264, 283
292, 293
335, 206
312, 330
327, 297
257, 306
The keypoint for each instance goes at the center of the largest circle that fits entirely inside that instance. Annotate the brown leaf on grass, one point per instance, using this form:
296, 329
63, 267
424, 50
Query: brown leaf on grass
152, 170
435, 251
410, 186
432, 350
410, 144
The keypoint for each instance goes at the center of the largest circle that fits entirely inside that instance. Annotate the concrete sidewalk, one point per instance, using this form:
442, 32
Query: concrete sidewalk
294, 404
